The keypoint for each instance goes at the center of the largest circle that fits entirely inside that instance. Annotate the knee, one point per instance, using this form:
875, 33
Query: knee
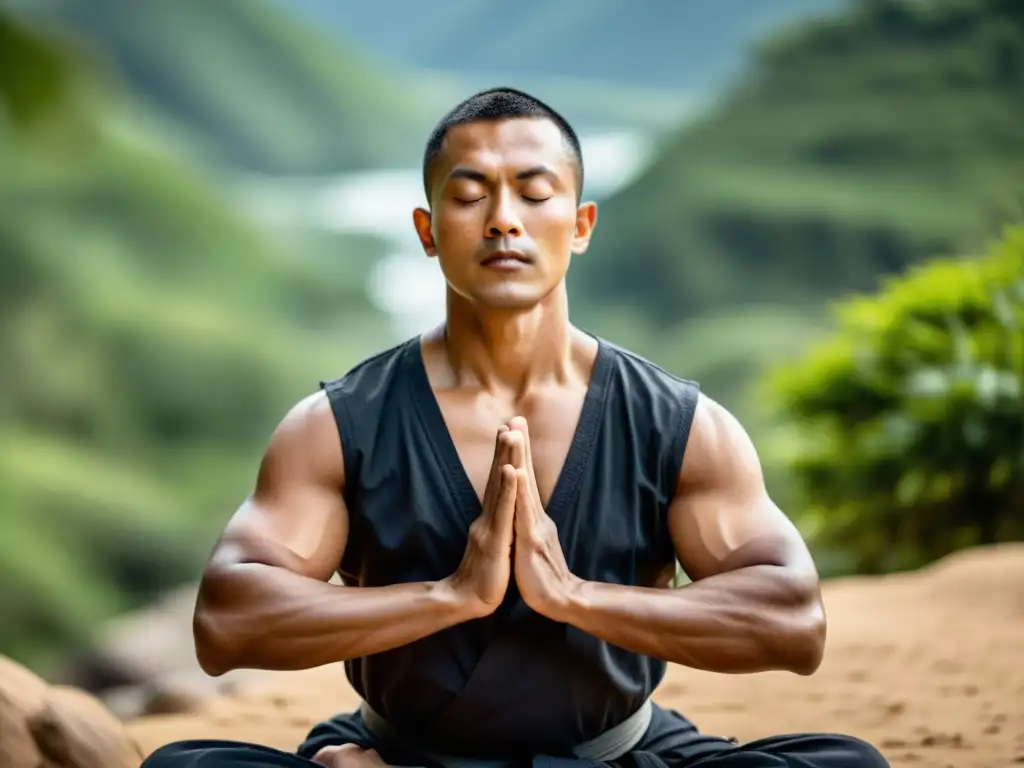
185, 754
171, 755
821, 750
857, 753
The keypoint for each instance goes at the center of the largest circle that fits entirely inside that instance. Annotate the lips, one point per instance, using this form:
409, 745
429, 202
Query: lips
506, 259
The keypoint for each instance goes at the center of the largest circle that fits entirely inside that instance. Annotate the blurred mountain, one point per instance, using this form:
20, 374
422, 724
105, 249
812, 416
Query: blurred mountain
857, 145
248, 84
151, 337
681, 46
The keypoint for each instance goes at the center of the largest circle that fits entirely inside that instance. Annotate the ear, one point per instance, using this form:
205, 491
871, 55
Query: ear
422, 221
586, 219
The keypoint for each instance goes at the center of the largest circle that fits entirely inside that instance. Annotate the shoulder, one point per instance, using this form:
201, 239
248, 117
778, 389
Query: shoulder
306, 444
641, 370
658, 409
720, 451
312, 436
672, 398
367, 377
358, 400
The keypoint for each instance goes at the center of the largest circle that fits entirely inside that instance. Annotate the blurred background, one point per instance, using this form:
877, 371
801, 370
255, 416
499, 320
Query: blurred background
813, 207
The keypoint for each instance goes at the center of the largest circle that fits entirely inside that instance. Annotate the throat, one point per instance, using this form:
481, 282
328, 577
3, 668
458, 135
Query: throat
511, 352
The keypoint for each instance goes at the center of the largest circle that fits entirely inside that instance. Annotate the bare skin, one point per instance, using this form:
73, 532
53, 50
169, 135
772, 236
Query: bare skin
510, 373
263, 601
754, 604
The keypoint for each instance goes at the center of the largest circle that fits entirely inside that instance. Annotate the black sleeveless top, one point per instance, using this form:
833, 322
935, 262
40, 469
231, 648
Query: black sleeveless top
513, 681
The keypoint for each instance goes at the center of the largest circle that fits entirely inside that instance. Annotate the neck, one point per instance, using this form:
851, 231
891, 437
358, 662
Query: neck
510, 349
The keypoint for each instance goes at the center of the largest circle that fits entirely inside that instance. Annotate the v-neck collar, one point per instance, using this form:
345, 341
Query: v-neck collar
580, 448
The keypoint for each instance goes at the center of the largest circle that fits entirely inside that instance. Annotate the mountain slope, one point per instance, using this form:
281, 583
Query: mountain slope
247, 83
151, 337
858, 145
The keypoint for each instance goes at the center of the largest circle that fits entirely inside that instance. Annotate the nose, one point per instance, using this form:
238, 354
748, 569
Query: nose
503, 220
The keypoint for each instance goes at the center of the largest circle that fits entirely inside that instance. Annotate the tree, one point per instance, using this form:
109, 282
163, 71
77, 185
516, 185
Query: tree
910, 418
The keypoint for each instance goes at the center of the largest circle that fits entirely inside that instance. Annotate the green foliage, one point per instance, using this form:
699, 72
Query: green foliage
152, 336
46, 78
854, 147
910, 419
245, 84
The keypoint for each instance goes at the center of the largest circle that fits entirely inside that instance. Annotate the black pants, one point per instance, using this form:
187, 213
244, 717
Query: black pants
670, 742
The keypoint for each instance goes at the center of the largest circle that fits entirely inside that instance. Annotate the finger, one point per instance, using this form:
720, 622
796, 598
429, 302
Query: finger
519, 424
517, 450
524, 509
499, 458
505, 509
326, 755
499, 447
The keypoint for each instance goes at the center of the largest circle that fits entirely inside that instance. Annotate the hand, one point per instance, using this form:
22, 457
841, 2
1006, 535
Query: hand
485, 570
349, 756
541, 572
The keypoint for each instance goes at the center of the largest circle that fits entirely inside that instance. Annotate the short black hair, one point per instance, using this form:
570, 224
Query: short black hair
500, 104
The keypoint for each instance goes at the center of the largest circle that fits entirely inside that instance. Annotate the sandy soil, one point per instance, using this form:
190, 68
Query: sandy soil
928, 666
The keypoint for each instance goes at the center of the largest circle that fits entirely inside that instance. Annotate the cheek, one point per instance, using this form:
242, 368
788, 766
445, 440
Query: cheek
555, 227
455, 232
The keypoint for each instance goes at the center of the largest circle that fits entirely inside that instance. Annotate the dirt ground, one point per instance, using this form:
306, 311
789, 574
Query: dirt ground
927, 666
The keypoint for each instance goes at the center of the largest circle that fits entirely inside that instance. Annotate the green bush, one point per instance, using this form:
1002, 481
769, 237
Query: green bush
151, 334
908, 423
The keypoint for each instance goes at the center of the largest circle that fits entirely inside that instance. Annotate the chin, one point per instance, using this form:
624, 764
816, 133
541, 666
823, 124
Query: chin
509, 302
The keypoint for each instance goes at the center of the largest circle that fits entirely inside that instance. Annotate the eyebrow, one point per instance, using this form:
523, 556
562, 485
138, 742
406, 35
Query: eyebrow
461, 172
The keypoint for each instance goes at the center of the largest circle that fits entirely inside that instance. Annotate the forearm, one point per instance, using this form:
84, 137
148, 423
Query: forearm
749, 620
259, 616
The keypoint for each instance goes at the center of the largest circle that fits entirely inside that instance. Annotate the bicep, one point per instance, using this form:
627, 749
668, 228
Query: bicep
295, 517
722, 517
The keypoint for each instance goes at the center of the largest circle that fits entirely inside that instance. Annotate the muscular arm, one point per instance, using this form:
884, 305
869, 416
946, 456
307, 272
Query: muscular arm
264, 601
754, 604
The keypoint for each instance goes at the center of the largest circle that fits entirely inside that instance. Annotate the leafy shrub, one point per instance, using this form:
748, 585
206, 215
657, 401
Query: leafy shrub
909, 420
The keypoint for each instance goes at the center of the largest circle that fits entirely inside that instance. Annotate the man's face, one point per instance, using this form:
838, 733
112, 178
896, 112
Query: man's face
505, 216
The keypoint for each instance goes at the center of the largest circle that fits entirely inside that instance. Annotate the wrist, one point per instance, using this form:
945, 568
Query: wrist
568, 603
464, 603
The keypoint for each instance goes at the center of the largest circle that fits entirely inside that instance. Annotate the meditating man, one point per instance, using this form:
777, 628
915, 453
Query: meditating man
505, 498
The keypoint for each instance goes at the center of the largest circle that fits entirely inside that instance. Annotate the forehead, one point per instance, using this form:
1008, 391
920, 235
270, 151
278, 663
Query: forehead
498, 143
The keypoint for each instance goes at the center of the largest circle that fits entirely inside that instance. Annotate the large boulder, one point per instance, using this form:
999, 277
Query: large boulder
43, 726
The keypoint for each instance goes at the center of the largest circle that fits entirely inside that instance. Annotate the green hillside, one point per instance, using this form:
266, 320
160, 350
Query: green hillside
857, 145
151, 338
248, 84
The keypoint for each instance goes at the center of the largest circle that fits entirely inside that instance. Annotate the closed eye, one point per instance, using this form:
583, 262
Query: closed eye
535, 199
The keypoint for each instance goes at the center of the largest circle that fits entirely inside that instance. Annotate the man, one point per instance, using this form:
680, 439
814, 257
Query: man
505, 498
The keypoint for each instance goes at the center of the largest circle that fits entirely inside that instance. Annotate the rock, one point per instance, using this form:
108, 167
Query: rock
75, 730
144, 663
44, 726
22, 687
17, 748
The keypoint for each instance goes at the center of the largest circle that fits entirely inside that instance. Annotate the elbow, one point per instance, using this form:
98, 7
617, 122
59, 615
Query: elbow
805, 642
213, 650
797, 639
217, 648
